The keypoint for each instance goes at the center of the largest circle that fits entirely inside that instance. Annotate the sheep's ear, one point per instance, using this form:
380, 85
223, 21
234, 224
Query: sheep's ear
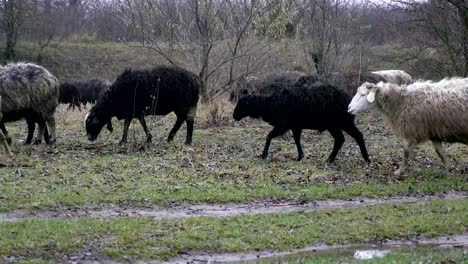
371, 97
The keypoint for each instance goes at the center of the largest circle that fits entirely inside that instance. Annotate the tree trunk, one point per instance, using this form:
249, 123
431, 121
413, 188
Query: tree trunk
464, 13
11, 27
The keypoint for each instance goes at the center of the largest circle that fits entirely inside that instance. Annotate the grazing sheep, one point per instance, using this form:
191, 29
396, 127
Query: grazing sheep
317, 107
3, 139
419, 112
91, 90
398, 77
268, 85
29, 91
156, 91
70, 94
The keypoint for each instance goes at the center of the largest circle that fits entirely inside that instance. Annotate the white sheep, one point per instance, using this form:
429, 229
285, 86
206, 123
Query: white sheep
436, 111
395, 76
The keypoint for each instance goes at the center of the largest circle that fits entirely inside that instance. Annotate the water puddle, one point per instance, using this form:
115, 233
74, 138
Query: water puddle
217, 210
350, 251
370, 254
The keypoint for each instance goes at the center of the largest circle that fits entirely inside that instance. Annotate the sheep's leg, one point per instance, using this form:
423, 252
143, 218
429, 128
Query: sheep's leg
109, 126
4, 143
441, 152
49, 131
339, 140
297, 140
189, 121
31, 127
47, 135
354, 132
5, 133
188, 139
276, 132
125, 130
407, 149
145, 128
40, 133
176, 127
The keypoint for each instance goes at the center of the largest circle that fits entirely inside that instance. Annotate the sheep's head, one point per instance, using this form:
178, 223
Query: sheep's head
364, 98
247, 105
94, 123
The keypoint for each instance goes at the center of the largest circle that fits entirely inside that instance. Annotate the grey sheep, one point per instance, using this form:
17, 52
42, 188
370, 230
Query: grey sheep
29, 91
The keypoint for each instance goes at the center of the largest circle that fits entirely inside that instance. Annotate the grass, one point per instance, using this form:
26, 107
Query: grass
419, 254
221, 166
217, 168
144, 238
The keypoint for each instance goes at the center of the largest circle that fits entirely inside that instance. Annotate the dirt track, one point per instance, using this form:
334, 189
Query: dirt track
218, 210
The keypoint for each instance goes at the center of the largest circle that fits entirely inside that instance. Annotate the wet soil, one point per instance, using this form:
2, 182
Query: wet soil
217, 210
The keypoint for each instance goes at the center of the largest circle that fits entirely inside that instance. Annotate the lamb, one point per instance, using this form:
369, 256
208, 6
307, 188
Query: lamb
137, 93
29, 91
398, 77
318, 107
268, 85
419, 112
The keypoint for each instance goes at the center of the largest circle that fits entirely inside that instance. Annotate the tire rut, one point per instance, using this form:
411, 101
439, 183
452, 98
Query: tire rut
218, 210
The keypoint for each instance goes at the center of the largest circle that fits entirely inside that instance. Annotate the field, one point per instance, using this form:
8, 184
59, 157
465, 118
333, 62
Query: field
81, 201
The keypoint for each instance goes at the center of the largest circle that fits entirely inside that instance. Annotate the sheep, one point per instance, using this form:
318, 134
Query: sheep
70, 94
317, 107
91, 90
29, 91
395, 76
349, 81
140, 92
3, 139
419, 112
268, 85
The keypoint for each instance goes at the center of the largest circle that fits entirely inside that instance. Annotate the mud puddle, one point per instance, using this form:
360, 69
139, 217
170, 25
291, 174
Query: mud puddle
217, 210
349, 250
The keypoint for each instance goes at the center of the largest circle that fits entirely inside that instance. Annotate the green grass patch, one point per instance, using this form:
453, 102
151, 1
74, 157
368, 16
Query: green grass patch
144, 238
217, 168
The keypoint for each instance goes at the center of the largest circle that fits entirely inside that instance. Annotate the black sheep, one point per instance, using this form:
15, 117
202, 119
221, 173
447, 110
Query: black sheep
138, 93
70, 94
318, 107
91, 90
269, 84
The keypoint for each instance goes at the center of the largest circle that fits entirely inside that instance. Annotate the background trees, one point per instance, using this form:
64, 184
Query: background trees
226, 40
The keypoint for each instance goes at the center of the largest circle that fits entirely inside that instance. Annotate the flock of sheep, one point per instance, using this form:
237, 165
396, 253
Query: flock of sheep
416, 111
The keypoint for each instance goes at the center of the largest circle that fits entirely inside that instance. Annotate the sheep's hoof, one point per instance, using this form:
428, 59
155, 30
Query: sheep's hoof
188, 143
9, 141
170, 138
122, 142
37, 141
300, 158
264, 156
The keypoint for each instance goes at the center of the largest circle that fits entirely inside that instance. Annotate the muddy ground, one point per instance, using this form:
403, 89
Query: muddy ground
106, 185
